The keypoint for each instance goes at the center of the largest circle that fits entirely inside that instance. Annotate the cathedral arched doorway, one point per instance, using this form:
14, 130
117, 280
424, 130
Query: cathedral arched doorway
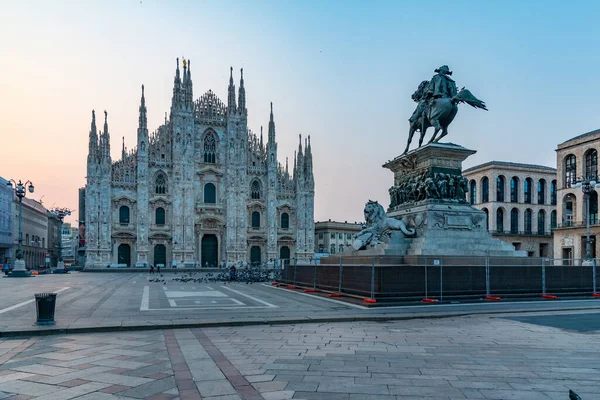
209, 251
255, 254
124, 254
160, 255
284, 254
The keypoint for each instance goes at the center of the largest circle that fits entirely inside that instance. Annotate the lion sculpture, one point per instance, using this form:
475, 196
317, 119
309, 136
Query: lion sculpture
379, 227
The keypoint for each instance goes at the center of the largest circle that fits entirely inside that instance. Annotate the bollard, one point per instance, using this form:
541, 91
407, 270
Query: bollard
45, 306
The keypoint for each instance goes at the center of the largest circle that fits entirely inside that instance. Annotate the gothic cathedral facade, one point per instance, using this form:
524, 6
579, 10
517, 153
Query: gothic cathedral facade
202, 190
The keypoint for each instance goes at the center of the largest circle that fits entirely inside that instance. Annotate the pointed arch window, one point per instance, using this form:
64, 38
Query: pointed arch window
255, 193
285, 221
160, 184
210, 149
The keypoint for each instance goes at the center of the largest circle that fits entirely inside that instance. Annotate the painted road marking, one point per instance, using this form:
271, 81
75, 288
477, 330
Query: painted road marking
145, 299
251, 297
205, 293
319, 298
27, 302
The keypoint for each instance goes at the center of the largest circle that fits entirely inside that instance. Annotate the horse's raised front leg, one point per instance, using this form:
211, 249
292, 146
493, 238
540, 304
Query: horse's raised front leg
438, 127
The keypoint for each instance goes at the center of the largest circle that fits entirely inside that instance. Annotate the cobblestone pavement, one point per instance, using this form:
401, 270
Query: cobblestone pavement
473, 357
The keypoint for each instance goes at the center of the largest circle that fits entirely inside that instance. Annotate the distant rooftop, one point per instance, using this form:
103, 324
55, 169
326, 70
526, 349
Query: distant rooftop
509, 164
582, 136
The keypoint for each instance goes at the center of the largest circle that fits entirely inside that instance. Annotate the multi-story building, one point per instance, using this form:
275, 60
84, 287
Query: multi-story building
35, 232
202, 189
519, 201
335, 237
81, 227
577, 159
6, 239
53, 239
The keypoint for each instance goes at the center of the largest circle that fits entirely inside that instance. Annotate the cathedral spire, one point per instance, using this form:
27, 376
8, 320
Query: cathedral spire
300, 160
123, 152
143, 120
189, 90
93, 140
261, 138
287, 171
176, 88
105, 140
271, 127
231, 96
242, 94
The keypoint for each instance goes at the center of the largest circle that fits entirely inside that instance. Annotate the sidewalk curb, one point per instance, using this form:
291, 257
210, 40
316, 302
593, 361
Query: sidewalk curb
294, 321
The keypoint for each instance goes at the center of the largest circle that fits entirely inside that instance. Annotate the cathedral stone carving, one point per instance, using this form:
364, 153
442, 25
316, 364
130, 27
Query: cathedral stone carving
192, 185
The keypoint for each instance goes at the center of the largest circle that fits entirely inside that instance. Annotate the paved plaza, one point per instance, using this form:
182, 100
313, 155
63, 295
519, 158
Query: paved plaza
470, 357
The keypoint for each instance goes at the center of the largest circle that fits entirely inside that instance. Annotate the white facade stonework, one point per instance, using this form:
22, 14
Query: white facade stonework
576, 159
524, 212
200, 190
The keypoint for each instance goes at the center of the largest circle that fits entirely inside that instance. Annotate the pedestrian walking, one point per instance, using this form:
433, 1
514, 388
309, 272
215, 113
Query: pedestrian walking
151, 268
158, 268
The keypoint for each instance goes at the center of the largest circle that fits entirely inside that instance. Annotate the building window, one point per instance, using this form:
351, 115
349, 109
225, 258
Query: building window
527, 221
341, 248
473, 192
255, 190
570, 170
541, 222
514, 190
499, 220
591, 164
210, 149
500, 188
159, 216
487, 218
485, 190
124, 215
320, 235
332, 249
541, 191
341, 236
569, 209
285, 221
27, 239
348, 236
553, 193
256, 219
332, 235
553, 219
527, 190
321, 249
210, 193
44, 242
593, 199
160, 184
514, 221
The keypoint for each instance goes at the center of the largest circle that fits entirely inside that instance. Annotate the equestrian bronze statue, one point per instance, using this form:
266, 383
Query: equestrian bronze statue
437, 105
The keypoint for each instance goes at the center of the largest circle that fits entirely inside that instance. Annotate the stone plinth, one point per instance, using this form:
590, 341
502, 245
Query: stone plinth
19, 270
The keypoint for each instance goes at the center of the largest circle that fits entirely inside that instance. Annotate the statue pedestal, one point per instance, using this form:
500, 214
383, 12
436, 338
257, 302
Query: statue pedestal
60, 268
19, 270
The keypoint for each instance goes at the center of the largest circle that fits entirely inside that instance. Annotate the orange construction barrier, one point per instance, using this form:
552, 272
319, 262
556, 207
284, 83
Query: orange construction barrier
310, 290
334, 295
596, 295
493, 298
290, 287
372, 301
426, 300
549, 296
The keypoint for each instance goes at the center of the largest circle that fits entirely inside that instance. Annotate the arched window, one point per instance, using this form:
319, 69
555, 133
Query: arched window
570, 170
593, 199
514, 189
210, 193
255, 256
124, 215
591, 164
500, 188
332, 249
499, 220
541, 191
568, 210
256, 220
553, 192
553, 219
514, 220
485, 190
284, 253
255, 190
159, 216
210, 149
541, 222
160, 184
487, 218
527, 190
527, 221
285, 221
473, 192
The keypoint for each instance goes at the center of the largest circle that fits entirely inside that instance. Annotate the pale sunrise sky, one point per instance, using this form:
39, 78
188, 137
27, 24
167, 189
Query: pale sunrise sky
341, 71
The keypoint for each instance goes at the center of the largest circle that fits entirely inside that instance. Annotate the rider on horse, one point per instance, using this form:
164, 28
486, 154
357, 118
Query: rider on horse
441, 85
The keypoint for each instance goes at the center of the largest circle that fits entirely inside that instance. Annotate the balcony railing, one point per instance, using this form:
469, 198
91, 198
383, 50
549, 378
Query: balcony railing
520, 233
577, 224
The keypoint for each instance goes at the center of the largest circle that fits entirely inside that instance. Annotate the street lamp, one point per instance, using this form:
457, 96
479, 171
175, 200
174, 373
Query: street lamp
587, 186
61, 213
19, 270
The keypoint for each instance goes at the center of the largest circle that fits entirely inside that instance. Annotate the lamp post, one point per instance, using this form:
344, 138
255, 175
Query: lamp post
61, 213
19, 270
587, 186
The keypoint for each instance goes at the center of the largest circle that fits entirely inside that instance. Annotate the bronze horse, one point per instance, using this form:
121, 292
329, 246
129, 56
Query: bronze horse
439, 114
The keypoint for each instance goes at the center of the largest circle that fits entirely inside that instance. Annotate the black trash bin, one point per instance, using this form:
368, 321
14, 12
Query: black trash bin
45, 305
